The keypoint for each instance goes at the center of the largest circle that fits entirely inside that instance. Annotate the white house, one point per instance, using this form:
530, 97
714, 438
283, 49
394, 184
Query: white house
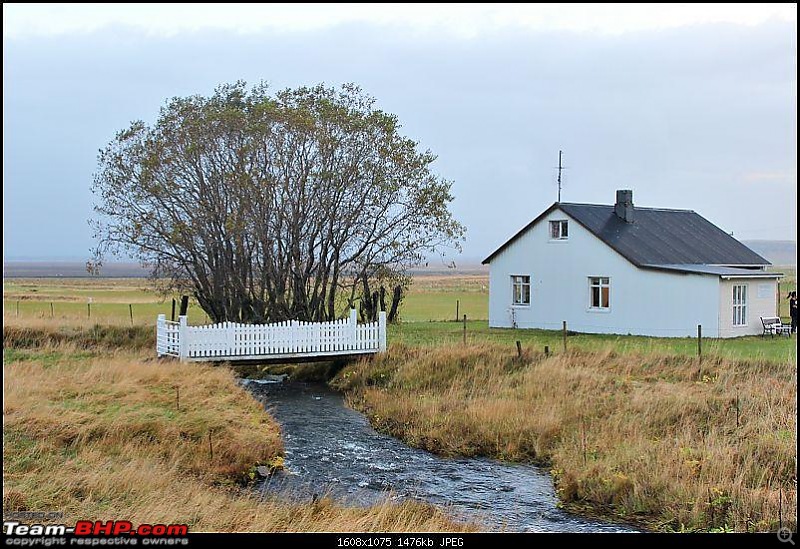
624, 270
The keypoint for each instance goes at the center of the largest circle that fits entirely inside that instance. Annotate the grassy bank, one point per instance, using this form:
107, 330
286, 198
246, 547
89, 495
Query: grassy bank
102, 434
39, 334
643, 437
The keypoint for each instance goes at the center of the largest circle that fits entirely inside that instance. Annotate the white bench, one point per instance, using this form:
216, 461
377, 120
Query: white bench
773, 326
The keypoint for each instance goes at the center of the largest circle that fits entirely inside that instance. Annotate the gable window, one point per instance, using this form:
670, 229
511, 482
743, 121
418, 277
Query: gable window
599, 292
520, 290
740, 305
559, 230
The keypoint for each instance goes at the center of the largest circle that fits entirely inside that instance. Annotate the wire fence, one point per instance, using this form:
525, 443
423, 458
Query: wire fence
104, 312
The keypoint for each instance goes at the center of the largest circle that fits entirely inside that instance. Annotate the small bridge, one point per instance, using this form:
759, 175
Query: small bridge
283, 340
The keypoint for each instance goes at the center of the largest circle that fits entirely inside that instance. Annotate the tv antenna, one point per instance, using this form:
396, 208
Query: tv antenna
560, 167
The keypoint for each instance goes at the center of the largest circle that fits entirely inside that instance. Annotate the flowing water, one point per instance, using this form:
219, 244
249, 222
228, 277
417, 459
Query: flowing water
331, 449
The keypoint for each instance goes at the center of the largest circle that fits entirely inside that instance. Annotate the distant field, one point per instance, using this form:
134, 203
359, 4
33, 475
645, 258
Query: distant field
428, 313
431, 298
87, 300
437, 297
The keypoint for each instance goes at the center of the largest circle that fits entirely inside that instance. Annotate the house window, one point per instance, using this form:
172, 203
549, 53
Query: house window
599, 292
559, 230
520, 290
740, 305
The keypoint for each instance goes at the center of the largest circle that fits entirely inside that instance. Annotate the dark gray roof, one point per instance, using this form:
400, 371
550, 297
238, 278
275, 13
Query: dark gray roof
724, 272
656, 237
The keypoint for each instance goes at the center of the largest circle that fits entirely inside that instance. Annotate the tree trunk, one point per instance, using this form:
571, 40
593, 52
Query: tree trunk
397, 297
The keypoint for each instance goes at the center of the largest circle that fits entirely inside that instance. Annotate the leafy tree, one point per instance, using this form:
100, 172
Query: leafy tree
272, 206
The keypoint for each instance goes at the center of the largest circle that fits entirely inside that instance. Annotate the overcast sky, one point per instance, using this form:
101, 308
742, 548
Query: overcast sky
690, 106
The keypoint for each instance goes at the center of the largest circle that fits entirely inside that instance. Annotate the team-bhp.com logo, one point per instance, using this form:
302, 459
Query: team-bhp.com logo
96, 528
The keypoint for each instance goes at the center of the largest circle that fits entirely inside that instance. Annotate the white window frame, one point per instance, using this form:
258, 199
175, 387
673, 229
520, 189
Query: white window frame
561, 224
600, 285
514, 283
740, 305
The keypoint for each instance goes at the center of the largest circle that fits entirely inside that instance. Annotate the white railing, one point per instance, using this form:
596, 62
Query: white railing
233, 341
167, 337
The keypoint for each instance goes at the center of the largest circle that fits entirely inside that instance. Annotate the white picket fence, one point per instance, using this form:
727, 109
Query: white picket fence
290, 339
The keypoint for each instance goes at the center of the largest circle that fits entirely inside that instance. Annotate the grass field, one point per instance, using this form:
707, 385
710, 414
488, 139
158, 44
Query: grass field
104, 434
113, 300
87, 301
427, 334
430, 298
634, 427
429, 312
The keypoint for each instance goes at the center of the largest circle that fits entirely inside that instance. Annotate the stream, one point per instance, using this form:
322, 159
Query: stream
332, 450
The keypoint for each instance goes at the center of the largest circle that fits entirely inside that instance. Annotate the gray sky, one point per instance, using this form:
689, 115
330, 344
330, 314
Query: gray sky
692, 107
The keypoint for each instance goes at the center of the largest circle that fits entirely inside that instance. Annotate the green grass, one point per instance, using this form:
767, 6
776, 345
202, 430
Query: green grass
425, 306
47, 359
416, 334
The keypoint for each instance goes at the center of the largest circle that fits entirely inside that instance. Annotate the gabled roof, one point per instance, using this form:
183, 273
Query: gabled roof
656, 237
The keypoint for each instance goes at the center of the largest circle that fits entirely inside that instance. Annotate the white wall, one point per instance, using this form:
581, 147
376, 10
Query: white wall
644, 302
756, 306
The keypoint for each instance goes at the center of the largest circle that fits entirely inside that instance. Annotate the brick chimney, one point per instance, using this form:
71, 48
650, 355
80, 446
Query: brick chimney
624, 206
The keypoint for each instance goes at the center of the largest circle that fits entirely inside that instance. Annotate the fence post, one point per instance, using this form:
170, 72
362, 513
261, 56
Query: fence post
564, 334
700, 341
353, 320
382, 331
183, 344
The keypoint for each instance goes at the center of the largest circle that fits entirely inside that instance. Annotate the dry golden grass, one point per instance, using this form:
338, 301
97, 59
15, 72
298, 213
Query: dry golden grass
646, 438
43, 334
101, 437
